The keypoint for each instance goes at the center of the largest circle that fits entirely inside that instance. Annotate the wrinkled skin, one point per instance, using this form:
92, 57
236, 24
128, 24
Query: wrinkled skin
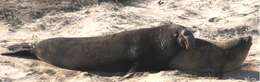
213, 57
136, 50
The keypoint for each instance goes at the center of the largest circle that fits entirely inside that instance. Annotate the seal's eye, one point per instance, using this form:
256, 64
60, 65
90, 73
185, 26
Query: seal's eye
186, 33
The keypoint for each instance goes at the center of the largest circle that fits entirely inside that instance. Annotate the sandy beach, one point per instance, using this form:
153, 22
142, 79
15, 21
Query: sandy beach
36, 20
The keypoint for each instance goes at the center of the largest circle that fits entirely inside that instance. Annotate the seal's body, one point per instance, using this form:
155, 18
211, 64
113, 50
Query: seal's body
213, 57
143, 49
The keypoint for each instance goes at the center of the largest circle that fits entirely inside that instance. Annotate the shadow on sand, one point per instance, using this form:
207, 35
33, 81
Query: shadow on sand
244, 74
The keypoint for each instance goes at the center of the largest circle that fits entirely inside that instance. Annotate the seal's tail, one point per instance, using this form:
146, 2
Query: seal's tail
20, 49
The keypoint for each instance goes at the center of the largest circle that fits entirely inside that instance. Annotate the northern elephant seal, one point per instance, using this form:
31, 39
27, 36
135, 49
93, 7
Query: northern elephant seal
216, 58
142, 49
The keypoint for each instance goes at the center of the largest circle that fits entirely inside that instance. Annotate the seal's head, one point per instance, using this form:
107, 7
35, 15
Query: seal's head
237, 53
186, 39
212, 57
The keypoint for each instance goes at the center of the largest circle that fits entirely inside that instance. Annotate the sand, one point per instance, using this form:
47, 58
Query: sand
33, 21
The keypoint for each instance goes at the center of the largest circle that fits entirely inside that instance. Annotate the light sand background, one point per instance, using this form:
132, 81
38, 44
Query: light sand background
35, 20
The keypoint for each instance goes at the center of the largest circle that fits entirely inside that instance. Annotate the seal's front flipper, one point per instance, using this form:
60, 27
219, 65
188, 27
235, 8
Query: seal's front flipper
131, 72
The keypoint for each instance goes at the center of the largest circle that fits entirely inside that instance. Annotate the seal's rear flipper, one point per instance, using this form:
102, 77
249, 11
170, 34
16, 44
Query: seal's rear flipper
22, 46
19, 52
19, 49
